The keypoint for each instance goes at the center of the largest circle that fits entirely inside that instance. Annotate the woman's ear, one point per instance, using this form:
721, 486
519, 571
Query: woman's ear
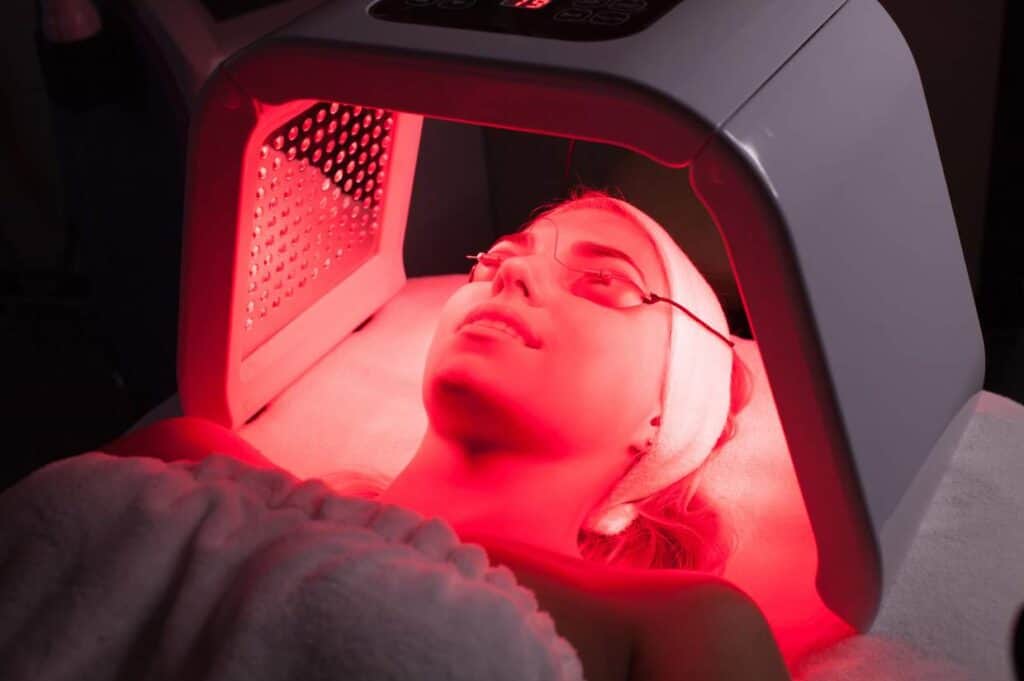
741, 390
645, 435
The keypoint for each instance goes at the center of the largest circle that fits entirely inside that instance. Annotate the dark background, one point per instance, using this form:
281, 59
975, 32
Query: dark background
88, 309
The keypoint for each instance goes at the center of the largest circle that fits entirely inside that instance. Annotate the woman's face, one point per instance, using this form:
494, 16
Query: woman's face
586, 379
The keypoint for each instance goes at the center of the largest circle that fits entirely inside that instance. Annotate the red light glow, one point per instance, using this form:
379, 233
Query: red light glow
526, 4
316, 216
313, 190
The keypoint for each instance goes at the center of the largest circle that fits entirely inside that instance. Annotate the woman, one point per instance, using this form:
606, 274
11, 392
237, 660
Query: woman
562, 434
571, 411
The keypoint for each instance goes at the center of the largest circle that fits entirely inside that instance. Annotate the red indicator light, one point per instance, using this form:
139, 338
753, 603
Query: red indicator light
525, 4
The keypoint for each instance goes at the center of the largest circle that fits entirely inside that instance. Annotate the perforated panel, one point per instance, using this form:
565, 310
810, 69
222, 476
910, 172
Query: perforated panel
316, 216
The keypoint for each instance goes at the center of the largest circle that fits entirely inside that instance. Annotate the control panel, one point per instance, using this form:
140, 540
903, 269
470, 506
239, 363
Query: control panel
559, 19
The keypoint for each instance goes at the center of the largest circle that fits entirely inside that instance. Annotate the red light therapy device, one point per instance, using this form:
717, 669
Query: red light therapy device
807, 138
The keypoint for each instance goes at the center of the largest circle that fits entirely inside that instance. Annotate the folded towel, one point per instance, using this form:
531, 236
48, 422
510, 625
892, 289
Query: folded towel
132, 568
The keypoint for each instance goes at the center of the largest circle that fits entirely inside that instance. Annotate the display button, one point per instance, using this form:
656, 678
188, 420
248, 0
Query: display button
628, 5
609, 18
456, 4
573, 14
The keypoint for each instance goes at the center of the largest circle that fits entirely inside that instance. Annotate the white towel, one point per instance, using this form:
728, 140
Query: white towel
137, 569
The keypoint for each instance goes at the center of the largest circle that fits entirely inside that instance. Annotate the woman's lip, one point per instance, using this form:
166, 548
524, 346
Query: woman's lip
498, 314
482, 325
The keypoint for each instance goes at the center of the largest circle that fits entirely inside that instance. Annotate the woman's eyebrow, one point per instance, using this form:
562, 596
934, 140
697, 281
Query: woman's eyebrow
518, 238
581, 248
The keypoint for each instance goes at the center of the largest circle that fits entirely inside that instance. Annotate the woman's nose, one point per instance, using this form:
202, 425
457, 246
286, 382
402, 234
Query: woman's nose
520, 273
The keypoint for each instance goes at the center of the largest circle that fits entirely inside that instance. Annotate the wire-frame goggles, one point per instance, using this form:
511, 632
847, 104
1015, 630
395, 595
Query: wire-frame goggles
594, 271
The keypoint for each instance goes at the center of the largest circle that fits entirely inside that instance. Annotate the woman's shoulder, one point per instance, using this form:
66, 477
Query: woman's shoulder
653, 624
595, 578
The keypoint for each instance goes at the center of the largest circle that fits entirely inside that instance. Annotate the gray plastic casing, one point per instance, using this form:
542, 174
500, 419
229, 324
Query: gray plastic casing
807, 134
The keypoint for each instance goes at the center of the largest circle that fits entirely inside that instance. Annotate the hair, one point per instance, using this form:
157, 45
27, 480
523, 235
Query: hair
676, 528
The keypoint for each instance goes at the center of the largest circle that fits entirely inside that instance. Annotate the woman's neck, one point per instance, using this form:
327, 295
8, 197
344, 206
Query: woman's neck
498, 495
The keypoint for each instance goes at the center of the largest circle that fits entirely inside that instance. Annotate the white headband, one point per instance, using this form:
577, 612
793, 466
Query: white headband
695, 394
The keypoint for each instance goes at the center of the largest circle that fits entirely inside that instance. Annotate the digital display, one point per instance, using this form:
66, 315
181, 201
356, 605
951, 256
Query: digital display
557, 19
525, 4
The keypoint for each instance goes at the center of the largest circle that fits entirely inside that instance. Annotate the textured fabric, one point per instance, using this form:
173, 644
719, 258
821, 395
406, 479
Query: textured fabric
114, 568
695, 394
